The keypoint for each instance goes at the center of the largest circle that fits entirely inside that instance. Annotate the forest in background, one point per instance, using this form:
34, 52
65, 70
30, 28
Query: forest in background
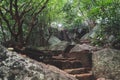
33, 22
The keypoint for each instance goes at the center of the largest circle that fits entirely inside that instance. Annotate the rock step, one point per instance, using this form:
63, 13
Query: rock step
65, 64
77, 70
66, 60
85, 76
62, 60
57, 58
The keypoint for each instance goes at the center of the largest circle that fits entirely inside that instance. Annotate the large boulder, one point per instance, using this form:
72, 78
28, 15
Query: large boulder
83, 53
106, 64
54, 40
14, 66
59, 46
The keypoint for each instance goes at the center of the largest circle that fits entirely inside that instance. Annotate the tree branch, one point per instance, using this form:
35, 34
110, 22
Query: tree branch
7, 22
6, 9
26, 9
10, 10
16, 10
37, 7
40, 10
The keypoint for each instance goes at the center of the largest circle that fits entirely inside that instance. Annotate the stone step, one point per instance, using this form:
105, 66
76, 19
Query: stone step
59, 58
77, 70
66, 60
62, 60
85, 76
64, 64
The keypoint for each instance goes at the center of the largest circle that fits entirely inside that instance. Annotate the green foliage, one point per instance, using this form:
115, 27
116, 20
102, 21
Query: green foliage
72, 18
35, 14
107, 11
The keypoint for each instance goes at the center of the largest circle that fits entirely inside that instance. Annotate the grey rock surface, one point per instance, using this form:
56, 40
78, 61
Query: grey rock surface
54, 40
14, 66
106, 64
61, 46
79, 48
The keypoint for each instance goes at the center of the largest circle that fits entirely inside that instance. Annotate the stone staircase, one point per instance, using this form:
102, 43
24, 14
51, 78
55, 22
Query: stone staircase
64, 63
78, 64
72, 66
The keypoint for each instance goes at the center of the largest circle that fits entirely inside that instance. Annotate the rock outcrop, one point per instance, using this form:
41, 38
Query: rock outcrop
60, 46
82, 53
106, 64
14, 66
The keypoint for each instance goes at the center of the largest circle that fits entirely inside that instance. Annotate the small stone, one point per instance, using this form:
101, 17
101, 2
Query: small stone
10, 49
